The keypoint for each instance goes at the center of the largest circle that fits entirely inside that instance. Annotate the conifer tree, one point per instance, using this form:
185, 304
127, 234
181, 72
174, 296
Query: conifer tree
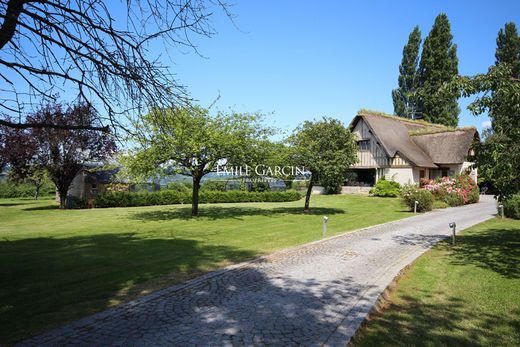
508, 48
405, 97
438, 65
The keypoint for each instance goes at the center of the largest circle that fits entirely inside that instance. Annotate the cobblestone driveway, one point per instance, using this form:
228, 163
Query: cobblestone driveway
312, 295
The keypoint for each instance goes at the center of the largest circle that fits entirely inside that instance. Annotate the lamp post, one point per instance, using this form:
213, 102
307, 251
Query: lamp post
415, 206
453, 226
501, 207
325, 220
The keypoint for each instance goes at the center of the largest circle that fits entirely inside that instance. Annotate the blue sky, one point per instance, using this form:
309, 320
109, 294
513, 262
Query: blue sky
307, 59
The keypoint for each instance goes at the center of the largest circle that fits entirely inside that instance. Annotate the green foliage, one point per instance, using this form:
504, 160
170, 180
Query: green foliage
386, 188
438, 65
326, 148
453, 199
498, 156
179, 186
299, 185
405, 97
9, 189
439, 204
171, 197
214, 185
508, 48
193, 142
411, 193
512, 206
260, 186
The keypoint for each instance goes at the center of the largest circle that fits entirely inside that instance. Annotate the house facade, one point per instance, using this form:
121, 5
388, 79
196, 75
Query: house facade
405, 150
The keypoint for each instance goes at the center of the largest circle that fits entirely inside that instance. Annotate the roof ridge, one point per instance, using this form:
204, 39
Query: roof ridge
367, 112
429, 131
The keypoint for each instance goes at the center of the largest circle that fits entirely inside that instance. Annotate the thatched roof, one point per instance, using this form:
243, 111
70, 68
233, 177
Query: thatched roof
448, 147
423, 144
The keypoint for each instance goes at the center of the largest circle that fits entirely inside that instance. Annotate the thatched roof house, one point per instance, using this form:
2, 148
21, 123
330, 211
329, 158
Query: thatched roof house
407, 150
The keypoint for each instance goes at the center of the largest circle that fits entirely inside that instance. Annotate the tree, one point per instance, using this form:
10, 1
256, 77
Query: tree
62, 153
194, 143
437, 67
405, 97
326, 148
508, 48
498, 156
90, 47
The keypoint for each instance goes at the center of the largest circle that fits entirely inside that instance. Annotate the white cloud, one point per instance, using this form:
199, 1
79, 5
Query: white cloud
486, 124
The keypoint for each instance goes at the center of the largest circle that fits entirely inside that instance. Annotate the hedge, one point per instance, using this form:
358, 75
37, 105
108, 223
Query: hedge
171, 197
512, 206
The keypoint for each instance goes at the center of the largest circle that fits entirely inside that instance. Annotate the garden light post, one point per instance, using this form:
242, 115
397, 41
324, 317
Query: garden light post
325, 220
501, 207
453, 226
415, 206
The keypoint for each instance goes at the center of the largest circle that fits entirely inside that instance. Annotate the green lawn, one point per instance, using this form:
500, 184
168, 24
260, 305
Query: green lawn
58, 265
468, 295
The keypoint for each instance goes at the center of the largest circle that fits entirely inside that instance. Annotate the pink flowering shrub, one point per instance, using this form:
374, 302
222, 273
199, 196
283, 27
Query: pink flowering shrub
455, 191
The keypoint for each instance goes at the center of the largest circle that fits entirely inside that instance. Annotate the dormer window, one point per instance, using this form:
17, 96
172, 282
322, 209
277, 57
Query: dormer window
364, 145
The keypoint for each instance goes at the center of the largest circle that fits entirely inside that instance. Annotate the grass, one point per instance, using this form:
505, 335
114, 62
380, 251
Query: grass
59, 265
467, 295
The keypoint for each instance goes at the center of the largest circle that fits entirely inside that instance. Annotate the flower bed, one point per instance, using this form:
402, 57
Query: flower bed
454, 191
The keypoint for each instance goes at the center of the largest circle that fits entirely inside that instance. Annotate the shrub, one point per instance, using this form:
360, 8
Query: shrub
10, 189
179, 186
512, 206
214, 185
445, 188
385, 188
453, 199
439, 204
260, 186
299, 185
411, 193
170, 197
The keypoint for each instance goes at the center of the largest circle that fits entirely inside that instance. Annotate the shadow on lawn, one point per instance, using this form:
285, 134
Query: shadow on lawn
417, 321
494, 249
218, 212
46, 281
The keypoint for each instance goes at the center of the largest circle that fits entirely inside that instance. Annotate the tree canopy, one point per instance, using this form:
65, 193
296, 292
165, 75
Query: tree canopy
62, 153
326, 148
405, 97
438, 66
194, 142
100, 50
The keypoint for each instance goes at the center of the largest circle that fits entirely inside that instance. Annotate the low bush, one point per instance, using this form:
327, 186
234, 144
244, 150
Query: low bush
171, 197
179, 186
439, 204
445, 189
386, 188
10, 189
512, 206
300, 185
214, 185
452, 199
411, 193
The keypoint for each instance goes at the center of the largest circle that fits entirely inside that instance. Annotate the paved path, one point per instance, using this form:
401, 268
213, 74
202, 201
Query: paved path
312, 295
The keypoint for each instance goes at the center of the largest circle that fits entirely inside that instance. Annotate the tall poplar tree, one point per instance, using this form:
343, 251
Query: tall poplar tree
438, 65
405, 97
508, 48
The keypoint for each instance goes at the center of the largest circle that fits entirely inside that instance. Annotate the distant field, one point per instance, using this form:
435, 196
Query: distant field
58, 265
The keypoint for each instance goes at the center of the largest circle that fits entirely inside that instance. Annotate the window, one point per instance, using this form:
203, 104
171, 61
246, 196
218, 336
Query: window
422, 174
364, 145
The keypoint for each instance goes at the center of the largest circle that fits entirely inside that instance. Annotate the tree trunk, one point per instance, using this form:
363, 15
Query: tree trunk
308, 195
195, 196
37, 191
63, 196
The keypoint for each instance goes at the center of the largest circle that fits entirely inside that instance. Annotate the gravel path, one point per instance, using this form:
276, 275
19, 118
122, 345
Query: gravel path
317, 294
